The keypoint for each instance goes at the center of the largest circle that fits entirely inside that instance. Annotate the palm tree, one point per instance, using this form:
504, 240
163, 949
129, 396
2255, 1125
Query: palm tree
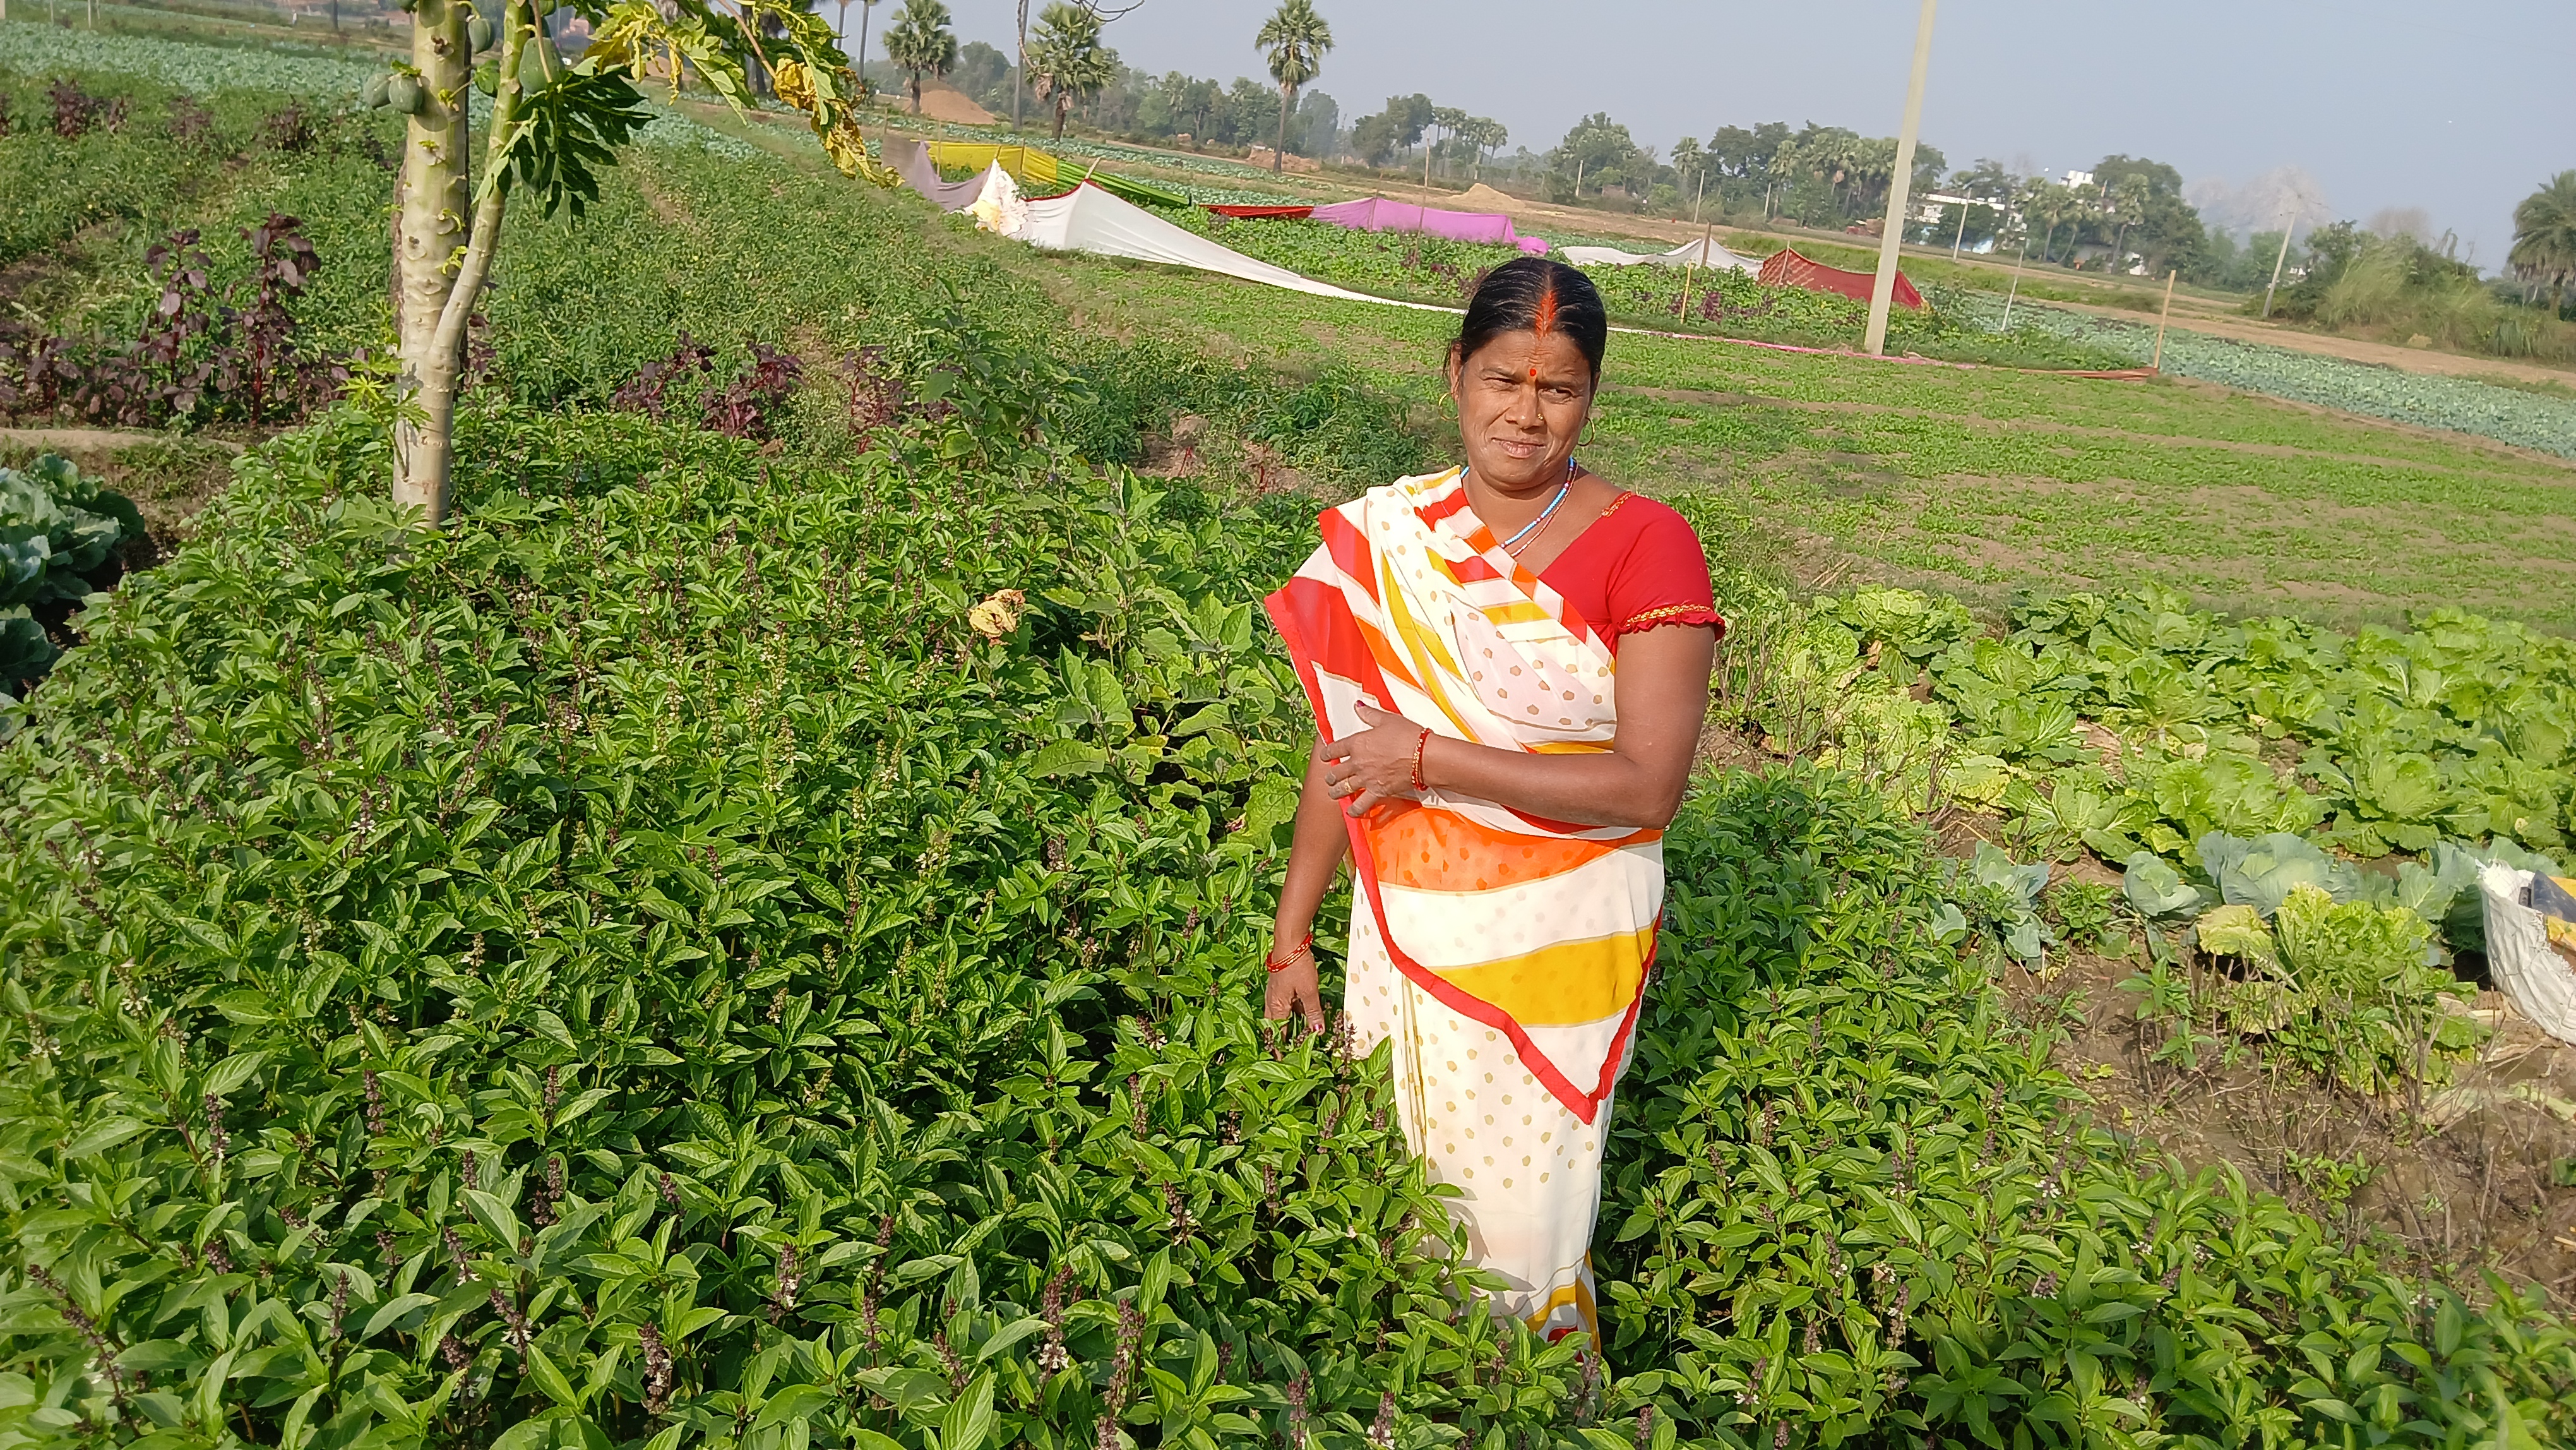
1296, 38
1485, 134
2054, 204
1873, 170
2544, 235
2128, 201
866, 9
920, 41
1066, 59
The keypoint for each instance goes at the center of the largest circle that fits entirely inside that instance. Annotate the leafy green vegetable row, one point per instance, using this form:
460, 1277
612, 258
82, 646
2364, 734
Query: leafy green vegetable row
2120, 721
2508, 415
641, 968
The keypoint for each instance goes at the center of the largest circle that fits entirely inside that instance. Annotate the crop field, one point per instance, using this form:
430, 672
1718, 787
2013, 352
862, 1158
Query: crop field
2532, 419
751, 936
1986, 481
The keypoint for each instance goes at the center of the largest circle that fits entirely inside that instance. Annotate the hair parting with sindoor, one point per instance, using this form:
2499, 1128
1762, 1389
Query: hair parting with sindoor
1533, 294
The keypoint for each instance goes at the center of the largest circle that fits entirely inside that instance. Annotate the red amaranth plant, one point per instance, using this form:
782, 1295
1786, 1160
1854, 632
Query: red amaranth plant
261, 363
199, 355
77, 112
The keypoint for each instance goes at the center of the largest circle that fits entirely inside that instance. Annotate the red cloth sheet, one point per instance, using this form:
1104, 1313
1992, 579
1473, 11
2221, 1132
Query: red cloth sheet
1785, 268
1264, 213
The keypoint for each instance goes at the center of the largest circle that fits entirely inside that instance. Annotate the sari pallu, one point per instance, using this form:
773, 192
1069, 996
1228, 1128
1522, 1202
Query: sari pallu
1504, 954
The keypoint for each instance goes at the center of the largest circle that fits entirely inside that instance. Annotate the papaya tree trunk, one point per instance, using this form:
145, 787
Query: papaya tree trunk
445, 257
431, 223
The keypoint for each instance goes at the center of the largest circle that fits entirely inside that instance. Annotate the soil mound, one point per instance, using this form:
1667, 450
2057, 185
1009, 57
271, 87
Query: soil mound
947, 103
1481, 197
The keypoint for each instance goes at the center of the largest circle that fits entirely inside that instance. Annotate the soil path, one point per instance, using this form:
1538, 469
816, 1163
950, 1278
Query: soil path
95, 440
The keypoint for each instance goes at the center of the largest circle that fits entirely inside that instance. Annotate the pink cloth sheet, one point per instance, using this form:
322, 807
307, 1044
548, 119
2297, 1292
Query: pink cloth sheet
1378, 214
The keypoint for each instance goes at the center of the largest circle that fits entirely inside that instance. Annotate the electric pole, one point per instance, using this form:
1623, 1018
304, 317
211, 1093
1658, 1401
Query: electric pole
1882, 288
2289, 223
1020, 77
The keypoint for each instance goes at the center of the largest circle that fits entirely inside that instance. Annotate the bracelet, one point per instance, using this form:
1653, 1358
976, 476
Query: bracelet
1281, 964
1420, 741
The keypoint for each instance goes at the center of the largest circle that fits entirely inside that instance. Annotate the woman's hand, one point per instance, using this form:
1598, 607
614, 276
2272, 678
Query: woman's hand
1368, 768
1293, 988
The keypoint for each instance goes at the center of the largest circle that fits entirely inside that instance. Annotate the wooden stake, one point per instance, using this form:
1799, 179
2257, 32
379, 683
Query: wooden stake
2158, 365
1691, 268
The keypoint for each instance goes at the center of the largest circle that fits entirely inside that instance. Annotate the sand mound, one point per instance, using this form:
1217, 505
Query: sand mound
1481, 197
947, 103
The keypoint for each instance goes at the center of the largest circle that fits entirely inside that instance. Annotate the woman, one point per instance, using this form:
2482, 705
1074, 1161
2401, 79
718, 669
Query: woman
1508, 664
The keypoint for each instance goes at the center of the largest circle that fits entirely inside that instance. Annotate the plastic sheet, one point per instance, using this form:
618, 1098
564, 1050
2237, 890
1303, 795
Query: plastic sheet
1786, 268
911, 161
1091, 219
1708, 254
1378, 214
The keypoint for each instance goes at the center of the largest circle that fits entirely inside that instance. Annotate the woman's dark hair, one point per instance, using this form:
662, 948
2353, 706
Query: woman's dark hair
1533, 294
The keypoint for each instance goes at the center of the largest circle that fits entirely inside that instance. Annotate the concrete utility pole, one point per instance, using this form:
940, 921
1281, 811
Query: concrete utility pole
1020, 76
2158, 364
1882, 288
2289, 223
2022, 261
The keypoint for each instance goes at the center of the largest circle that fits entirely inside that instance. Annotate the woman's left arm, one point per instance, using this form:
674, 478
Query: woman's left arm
1663, 700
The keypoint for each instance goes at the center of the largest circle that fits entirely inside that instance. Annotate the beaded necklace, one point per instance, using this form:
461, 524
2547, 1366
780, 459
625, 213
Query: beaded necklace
1529, 531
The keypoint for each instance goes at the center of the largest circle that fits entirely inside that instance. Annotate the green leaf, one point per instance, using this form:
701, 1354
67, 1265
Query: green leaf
101, 1136
795, 1402
1009, 1335
232, 1072
970, 1420
2235, 931
496, 1217
550, 1379
393, 1310
1067, 757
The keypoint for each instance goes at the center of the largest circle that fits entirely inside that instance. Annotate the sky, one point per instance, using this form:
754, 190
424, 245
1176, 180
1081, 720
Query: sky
2460, 108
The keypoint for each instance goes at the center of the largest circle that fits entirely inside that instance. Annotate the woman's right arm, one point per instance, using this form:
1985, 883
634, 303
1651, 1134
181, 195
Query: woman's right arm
1314, 855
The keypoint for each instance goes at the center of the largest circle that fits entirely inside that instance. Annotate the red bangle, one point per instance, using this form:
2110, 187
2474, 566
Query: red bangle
1420, 741
1281, 964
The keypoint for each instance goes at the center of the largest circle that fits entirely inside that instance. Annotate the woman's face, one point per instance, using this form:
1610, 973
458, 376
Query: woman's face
1522, 401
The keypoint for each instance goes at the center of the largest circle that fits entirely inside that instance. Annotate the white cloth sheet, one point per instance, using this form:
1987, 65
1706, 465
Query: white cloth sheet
1708, 254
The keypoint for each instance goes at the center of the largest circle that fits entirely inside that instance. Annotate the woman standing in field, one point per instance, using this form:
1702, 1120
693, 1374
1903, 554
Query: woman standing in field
1508, 664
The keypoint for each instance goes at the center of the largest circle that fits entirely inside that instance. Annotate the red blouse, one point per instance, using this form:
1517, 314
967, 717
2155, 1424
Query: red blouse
1637, 567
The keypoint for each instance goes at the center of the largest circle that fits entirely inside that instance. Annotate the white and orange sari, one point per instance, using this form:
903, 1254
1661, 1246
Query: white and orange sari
1505, 955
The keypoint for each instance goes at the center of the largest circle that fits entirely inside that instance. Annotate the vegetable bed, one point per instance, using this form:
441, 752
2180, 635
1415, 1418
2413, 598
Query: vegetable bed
645, 968
2508, 415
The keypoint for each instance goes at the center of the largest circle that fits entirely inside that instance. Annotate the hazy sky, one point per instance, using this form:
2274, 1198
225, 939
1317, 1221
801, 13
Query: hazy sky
2460, 107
